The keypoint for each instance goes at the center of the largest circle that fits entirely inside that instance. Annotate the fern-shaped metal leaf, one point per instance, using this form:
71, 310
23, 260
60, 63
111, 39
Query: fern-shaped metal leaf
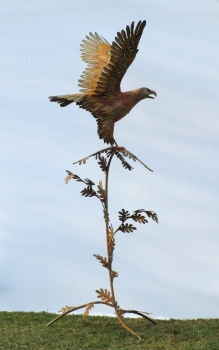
126, 153
65, 309
104, 295
97, 155
110, 151
119, 151
126, 228
89, 192
111, 249
88, 308
102, 163
82, 161
106, 216
110, 234
151, 214
101, 193
139, 218
72, 176
124, 215
102, 260
125, 164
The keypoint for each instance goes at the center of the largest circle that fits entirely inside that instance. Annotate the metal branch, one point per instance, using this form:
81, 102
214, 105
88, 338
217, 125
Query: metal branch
108, 298
74, 308
117, 148
140, 314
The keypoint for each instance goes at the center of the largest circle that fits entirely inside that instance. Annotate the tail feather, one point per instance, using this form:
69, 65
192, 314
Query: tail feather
105, 122
65, 100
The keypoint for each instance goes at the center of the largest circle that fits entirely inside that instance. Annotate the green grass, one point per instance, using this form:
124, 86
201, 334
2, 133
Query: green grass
26, 330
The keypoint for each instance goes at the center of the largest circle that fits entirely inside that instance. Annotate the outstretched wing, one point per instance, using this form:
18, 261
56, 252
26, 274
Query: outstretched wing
108, 64
123, 52
96, 53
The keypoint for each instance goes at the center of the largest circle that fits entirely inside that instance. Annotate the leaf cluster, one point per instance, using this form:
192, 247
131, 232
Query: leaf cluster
136, 216
151, 214
120, 153
89, 191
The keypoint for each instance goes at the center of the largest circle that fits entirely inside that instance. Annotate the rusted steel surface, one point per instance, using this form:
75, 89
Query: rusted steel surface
100, 82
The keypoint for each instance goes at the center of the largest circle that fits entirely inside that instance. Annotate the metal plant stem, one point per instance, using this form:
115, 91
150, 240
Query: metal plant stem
108, 253
108, 298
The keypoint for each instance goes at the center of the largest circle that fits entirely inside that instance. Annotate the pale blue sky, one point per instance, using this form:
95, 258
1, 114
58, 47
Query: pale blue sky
48, 232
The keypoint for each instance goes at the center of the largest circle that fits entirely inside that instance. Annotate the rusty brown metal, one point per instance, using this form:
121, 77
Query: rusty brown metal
104, 158
107, 64
102, 97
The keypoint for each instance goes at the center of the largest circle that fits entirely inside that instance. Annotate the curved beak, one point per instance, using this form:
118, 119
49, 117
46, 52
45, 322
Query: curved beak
152, 93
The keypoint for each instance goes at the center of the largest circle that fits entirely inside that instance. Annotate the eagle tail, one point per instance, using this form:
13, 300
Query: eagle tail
65, 100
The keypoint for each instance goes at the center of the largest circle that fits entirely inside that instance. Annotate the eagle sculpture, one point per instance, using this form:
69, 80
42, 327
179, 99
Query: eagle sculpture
100, 82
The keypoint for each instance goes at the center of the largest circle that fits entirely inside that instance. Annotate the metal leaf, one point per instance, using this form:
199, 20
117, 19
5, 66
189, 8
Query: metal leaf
110, 234
102, 260
151, 214
110, 151
126, 153
106, 216
111, 249
65, 309
89, 192
104, 295
101, 193
88, 308
72, 176
139, 218
124, 215
102, 163
82, 161
126, 228
125, 164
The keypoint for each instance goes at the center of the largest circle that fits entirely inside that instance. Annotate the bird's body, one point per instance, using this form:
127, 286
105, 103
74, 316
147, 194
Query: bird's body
107, 64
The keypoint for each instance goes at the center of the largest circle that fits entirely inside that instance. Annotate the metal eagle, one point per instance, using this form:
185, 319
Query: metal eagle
100, 82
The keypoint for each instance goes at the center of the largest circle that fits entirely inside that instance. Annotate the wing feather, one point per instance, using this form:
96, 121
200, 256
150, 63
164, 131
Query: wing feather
107, 64
123, 52
96, 53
